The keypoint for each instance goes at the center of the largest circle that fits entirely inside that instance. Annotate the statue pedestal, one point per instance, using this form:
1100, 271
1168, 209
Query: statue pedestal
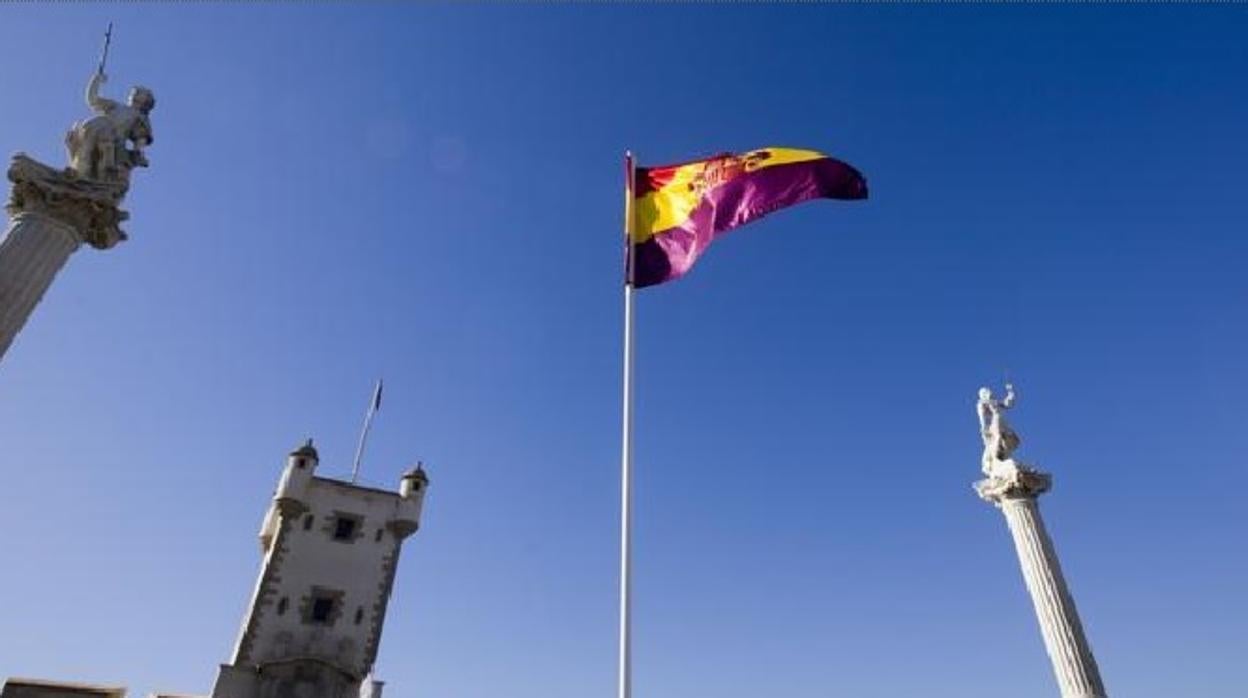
1016, 492
52, 214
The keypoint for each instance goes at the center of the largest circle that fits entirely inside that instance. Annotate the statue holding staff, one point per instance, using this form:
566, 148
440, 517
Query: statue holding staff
103, 149
100, 147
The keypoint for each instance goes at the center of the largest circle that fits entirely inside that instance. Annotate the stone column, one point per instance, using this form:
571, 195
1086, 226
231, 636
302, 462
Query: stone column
1016, 492
52, 214
33, 251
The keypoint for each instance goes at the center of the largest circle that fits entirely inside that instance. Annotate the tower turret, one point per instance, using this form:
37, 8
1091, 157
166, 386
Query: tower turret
291, 490
300, 468
412, 488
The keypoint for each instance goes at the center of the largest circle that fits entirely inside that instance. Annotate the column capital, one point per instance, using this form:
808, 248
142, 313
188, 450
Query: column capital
1013, 483
91, 208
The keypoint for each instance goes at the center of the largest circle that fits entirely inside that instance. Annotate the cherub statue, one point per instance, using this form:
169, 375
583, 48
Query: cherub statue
1000, 441
98, 146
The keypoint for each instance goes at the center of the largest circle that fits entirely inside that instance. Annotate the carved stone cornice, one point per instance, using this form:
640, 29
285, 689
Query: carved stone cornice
1016, 483
89, 207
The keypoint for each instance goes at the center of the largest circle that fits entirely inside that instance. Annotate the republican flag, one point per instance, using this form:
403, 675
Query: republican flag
679, 209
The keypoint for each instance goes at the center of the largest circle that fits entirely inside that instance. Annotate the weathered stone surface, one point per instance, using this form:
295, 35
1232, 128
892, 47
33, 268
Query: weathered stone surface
331, 550
89, 207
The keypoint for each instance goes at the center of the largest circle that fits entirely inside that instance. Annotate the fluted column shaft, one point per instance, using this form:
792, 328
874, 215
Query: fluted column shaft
34, 249
1073, 663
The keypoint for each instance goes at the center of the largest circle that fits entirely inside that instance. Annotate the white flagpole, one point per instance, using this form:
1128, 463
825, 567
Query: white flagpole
373, 404
626, 451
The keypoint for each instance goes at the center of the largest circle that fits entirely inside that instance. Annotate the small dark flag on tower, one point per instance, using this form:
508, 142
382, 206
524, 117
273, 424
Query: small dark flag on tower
377, 396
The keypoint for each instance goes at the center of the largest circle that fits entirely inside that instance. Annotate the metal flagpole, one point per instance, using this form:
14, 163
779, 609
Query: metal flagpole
368, 423
626, 451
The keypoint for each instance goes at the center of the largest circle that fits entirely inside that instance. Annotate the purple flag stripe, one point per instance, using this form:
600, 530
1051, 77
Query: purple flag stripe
669, 254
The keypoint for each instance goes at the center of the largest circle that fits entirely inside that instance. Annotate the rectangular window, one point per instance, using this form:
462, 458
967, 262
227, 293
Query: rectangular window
344, 528
322, 610
322, 606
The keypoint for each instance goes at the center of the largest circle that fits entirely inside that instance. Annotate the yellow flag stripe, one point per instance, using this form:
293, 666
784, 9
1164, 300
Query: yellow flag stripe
673, 203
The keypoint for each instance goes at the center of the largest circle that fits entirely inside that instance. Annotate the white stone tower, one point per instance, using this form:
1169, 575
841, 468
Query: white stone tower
53, 211
1015, 489
331, 549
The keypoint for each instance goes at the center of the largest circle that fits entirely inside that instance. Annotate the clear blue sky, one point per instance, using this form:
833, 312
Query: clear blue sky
432, 193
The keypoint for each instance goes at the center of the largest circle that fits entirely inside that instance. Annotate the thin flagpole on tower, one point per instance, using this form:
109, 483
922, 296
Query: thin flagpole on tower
626, 450
373, 406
